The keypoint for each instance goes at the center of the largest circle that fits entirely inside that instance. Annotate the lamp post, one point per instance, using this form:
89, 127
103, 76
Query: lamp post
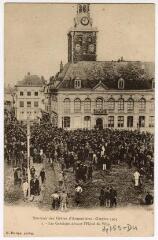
28, 155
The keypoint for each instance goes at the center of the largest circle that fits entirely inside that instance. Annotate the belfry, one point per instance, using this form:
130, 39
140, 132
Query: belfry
82, 37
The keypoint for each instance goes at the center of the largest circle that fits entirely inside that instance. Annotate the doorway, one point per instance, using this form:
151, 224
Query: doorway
87, 122
99, 123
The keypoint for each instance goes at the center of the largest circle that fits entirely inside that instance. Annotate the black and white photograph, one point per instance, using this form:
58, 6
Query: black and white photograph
79, 113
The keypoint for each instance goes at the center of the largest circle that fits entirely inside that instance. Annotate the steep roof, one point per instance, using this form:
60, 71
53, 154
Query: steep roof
31, 80
136, 74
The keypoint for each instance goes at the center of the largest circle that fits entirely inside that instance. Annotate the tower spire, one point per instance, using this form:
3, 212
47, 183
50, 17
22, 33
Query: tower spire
61, 66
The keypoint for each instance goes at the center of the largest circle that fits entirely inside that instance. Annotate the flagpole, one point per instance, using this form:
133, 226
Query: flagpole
28, 155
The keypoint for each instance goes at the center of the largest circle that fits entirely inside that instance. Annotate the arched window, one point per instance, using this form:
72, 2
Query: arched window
67, 105
66, 122
87, 105
84, 8
142, 104
87, 122
111, 104
121, 83
121, 104
77, 105
130, 104
99, 104
80, 8
87, 7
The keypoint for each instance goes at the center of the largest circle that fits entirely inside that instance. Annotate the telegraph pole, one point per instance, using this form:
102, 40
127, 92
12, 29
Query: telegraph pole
28, 155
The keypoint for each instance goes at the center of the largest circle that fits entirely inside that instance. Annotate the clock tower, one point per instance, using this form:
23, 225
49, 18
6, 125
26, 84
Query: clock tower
82, 37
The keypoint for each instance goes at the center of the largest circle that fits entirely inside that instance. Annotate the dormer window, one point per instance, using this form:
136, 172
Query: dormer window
77, 83
121, 83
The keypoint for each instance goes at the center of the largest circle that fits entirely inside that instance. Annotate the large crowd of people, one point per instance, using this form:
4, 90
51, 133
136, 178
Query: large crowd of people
83, 151
86, 150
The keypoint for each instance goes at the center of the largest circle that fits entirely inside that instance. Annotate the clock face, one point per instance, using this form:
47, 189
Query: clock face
84, 20
77, 47
91, 48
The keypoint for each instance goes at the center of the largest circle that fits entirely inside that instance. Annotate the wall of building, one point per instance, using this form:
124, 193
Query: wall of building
77, 119
33, 111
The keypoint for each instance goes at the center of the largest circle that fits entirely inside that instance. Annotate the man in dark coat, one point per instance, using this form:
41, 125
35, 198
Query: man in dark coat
102, 196
17, 176
55, 200
113, 196
107, 197
32, 186
42, 175
84, 170
37, 186
108, 163
148, 199
89, 172
32, 171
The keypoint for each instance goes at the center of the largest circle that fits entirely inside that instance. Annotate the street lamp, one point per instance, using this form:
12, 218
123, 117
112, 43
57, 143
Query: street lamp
28, 155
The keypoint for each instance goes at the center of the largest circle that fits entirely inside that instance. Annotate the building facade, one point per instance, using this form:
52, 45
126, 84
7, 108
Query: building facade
29, 98
106, 109
100, 94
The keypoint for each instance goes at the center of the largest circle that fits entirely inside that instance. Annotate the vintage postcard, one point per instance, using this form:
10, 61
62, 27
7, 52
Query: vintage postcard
79, 119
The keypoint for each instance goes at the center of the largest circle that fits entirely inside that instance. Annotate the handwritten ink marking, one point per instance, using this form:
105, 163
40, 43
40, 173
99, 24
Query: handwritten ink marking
115, 228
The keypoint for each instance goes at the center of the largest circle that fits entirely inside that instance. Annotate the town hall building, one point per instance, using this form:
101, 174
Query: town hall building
87, 93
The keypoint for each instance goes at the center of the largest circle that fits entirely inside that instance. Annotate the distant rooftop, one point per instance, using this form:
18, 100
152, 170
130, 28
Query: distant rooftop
32, 80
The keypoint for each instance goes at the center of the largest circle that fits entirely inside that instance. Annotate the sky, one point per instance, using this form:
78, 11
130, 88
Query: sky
35, 35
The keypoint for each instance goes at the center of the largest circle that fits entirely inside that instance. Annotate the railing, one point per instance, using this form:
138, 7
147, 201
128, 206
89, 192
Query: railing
100, 112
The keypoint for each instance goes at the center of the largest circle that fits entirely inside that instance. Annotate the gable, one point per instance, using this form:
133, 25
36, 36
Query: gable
100, 87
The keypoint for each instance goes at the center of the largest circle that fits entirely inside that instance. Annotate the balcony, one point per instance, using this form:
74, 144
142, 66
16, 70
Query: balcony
100, 112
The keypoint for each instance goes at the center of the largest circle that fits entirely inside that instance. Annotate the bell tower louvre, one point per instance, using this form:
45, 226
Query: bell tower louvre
82, 37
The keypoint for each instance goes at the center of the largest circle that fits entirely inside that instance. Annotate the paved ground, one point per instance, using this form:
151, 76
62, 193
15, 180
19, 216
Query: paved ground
120, 178
51, 185
13, 194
